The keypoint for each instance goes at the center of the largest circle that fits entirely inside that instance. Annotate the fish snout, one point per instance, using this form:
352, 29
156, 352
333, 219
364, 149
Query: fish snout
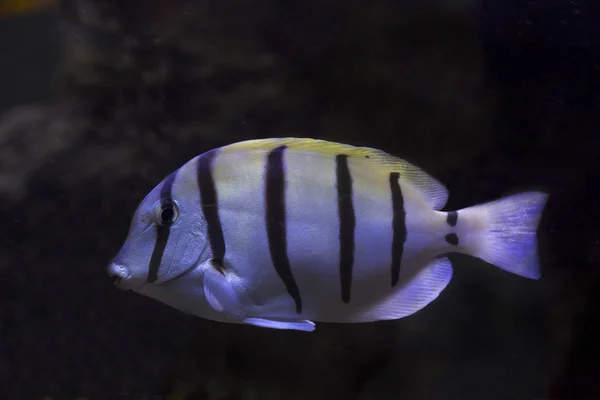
122, 275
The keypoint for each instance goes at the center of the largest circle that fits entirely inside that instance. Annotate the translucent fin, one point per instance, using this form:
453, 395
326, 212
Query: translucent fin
433, 191
306, 326
414, 295
219, 293
510, 239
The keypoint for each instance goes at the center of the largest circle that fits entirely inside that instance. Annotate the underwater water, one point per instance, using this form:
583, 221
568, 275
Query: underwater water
100, 100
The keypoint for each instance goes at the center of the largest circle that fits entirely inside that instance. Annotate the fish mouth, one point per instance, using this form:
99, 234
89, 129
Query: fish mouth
120, 273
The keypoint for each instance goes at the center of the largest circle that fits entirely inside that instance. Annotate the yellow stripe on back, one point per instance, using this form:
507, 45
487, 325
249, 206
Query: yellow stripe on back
433, 191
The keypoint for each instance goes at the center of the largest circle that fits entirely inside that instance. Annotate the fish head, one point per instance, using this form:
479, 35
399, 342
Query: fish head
166, 237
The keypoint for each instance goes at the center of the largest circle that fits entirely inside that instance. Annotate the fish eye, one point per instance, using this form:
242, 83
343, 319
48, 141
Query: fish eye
166, 212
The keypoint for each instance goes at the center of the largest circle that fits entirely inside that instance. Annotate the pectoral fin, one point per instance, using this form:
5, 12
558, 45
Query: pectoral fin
306, 326
219, 292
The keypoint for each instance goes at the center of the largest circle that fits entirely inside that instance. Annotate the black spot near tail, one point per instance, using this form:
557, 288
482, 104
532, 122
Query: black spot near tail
452, 239
452, 218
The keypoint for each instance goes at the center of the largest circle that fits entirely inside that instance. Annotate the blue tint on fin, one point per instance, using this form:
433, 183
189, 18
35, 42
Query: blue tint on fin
510, 239
219, 293
306, 326
412, 295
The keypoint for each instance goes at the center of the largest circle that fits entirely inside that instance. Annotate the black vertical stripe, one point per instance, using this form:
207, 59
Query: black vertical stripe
275, 215
162, 231
347, 224
398, 226
452, 218
452, 239
210, 205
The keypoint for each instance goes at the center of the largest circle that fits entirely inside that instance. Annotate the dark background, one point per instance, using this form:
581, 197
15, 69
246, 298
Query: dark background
102, 99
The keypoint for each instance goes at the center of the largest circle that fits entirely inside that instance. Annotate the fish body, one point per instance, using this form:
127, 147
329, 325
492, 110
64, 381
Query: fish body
282, 233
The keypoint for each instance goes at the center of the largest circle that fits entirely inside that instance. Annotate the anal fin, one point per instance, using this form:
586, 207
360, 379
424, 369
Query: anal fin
306, 326
414, 295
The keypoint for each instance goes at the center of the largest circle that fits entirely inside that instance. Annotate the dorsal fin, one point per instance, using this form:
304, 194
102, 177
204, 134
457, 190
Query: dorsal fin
433, 191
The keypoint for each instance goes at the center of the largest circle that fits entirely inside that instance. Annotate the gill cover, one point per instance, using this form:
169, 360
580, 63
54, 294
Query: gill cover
166, 237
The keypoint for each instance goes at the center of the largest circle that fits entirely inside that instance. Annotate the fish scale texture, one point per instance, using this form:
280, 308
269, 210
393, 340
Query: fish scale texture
145, 86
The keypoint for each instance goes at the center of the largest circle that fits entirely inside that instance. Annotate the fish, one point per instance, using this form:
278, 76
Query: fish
284, 233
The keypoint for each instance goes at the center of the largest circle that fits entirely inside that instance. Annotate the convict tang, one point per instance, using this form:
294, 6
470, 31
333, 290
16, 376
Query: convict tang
282, 233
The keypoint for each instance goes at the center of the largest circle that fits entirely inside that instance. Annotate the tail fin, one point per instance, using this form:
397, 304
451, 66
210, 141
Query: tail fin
508, 236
